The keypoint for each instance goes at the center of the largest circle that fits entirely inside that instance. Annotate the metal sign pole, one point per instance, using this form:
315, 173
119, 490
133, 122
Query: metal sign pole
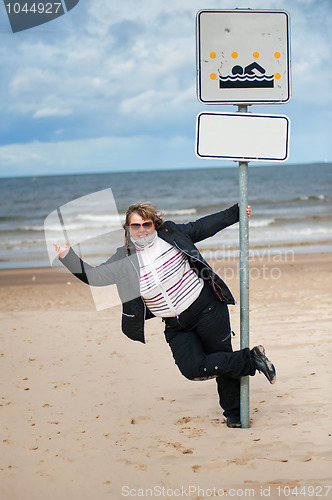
244, 281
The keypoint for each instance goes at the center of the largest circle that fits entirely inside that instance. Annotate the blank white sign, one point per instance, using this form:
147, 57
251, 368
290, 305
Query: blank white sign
242, 137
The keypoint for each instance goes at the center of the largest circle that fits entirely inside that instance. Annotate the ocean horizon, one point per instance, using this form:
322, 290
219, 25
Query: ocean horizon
135, 171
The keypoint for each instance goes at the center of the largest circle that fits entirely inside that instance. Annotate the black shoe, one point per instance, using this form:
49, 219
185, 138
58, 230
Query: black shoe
233, 421
263, 364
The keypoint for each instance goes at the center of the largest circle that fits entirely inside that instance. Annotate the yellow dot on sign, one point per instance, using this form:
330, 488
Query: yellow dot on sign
277, 76
277, 55
234, 55
213, 55
213, 76
256, 55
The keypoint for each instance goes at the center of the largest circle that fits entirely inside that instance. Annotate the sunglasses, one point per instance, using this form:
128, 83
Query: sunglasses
135, 226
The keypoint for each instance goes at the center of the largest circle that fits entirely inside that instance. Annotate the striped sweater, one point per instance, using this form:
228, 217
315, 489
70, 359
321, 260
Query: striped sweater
168, 284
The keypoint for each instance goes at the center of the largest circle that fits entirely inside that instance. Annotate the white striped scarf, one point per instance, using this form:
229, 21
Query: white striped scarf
168, 284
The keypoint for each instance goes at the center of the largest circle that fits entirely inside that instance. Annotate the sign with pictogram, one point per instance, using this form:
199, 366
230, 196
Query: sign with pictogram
242, 137
243, 56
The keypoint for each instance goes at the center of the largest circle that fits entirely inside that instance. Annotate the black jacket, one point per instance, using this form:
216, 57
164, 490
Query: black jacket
122, 268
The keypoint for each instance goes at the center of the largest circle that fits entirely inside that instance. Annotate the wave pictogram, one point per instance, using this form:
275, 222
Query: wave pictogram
246, 81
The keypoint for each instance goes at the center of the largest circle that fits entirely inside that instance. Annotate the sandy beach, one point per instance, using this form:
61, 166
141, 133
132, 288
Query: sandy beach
88, 414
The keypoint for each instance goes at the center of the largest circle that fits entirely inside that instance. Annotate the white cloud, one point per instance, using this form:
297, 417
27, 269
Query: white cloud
47, 112
150, 102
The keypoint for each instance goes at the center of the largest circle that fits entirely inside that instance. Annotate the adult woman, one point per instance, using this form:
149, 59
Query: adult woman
160, 272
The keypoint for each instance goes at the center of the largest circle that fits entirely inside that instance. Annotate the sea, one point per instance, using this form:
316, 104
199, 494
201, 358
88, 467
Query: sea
291, 210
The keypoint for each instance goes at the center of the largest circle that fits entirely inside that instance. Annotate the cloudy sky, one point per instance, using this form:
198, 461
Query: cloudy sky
110, 86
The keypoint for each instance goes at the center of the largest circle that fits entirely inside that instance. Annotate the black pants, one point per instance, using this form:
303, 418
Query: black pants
200, 340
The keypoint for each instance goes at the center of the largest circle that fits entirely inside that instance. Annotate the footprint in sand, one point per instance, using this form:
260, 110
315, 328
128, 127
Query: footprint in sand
178, 446
140, 420
183, 420
192, 432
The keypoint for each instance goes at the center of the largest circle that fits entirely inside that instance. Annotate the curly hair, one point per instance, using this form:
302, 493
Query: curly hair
146, 211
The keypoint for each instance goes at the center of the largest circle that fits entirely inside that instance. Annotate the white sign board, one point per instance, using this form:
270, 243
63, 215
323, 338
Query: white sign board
242, 137
243, 56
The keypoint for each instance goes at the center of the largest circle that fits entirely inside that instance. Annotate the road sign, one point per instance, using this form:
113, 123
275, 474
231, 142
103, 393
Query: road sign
243, 56
242, 137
